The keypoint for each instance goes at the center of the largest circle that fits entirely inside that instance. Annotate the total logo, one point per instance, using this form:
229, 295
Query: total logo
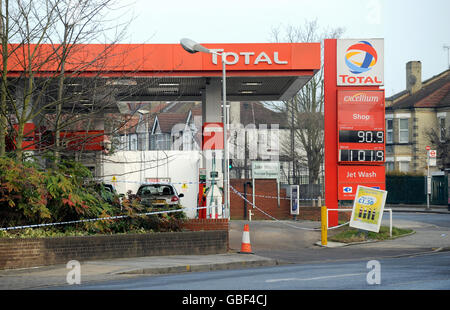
360, 62
366, 53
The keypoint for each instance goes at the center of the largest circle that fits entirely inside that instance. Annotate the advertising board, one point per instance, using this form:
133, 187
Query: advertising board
368, 208
360, 62
295, 199
351, 176
361, 126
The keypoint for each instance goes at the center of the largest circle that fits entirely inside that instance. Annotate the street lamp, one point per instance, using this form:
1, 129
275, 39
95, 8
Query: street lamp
194, 47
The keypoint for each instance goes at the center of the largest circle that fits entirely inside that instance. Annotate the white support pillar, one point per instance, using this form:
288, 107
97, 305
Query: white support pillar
212, 112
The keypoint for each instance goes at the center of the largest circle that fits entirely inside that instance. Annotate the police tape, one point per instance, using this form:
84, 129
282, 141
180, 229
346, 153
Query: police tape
101, 219
267, 214
149, 182
282, 222
275, 197
187, 183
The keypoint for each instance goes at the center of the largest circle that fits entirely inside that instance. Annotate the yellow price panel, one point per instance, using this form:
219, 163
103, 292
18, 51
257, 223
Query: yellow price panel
368, 208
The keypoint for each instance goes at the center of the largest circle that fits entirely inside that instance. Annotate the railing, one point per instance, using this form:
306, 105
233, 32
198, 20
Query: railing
325, 227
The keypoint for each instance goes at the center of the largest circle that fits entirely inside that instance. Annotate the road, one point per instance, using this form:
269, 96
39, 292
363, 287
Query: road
406, 263
296, 245
441, 220
422, 272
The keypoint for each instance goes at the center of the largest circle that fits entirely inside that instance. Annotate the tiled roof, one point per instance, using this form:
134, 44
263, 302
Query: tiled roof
168, 120
256, 113
434, 93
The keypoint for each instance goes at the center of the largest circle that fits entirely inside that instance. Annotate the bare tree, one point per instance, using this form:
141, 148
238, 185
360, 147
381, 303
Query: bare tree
304, 111
440, 139
49, 34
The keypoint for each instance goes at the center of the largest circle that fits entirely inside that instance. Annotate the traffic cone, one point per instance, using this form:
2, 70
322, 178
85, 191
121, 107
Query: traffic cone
246, 248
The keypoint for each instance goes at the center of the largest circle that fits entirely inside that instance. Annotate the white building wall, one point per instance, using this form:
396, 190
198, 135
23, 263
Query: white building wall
132, 168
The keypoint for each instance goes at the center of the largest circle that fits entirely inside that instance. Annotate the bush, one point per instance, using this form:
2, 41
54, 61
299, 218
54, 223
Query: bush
23, 195
31, 196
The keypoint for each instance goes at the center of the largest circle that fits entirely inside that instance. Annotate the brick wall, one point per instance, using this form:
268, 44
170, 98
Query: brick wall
314, 214
206, 224
21, 253
268, 205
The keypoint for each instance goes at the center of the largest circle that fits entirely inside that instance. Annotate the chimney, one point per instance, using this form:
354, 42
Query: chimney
413, 76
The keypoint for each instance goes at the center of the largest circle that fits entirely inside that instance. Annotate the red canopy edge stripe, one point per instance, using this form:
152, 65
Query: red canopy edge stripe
165, 57
194, 74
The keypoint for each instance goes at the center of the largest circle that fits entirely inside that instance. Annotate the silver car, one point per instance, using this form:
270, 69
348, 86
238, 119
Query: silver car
159, 195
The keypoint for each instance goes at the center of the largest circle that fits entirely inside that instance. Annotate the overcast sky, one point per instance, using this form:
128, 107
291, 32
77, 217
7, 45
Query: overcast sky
412, 29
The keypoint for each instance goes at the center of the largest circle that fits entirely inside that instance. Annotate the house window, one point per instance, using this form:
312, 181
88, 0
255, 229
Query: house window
389, 166
133, 142
160, 141
142, 145
389, 131
403, 166
123, 146
403, 130
442, 130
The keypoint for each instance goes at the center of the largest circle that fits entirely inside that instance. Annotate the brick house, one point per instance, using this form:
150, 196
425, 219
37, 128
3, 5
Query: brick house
410, 117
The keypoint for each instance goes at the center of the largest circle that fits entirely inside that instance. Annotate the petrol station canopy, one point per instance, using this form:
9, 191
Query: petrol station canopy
166, 72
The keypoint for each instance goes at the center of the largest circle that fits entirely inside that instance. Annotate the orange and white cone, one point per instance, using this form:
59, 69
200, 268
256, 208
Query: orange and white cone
246, 248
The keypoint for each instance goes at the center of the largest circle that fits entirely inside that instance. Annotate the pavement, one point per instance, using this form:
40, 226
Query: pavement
116, 269
267, 238
419, 208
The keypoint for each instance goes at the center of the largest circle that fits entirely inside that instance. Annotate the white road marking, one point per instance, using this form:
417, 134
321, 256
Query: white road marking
315, 278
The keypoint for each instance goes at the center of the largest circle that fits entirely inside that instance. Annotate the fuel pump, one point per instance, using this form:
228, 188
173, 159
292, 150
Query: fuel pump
214, 194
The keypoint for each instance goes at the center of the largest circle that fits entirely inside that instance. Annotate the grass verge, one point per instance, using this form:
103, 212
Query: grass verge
350, 235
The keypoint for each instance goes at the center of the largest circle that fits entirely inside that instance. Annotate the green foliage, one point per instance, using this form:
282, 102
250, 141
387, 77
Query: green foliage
349, 235
64, 193
23, 196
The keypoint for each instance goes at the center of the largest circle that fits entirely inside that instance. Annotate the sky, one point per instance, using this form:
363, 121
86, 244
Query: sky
412, 29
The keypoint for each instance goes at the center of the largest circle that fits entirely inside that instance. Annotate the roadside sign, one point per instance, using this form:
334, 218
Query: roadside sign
428, 148
114, 179
349, 177
368, 208
265, 170
295, 199
432, 157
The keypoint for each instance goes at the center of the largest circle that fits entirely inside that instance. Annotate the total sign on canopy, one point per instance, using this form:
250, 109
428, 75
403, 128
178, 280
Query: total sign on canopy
360, 62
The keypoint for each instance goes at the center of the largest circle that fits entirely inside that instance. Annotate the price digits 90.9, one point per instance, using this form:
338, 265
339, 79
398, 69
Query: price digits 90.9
361, 136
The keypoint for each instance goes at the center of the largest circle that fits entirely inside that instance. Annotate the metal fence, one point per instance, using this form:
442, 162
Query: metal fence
413, 189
